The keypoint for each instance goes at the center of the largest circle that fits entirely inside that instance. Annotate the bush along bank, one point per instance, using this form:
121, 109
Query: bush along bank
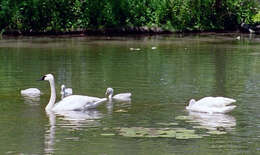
123, 16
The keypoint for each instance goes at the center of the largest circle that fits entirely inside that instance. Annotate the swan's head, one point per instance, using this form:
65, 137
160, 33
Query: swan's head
47, 77
63, 87
109, 92
192, 101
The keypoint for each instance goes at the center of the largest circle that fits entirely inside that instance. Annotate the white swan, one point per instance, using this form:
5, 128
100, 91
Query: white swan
31, 92
69, 103
212, 105
122, 97
65, 91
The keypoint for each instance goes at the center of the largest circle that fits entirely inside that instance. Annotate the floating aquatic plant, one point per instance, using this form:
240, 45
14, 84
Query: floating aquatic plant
216, 132
167, 124
107, 134
179, 133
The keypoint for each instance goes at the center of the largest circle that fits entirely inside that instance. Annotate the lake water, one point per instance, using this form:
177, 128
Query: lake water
161, 80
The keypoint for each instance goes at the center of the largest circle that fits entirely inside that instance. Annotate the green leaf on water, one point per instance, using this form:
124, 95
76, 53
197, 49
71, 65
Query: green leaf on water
167, 124
107, 134
191, 121
187, 136
216, 132
199, 127
181, 133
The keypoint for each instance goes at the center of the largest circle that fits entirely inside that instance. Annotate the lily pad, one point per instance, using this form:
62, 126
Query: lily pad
134, 132
181, 133
185, 131
166, 133
216, 132
167, 124
199, 127
187, 136
107, 134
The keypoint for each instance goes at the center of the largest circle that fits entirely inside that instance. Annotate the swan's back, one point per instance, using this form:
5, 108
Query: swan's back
214, 102
213, 105
31, 92
75, 102
205, 109
65, 91
68, 91
123, 96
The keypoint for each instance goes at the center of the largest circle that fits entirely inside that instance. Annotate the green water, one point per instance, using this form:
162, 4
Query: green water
161, 81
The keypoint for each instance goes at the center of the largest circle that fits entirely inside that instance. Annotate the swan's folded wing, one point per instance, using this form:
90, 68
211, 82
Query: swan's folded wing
215, 101
74, 102
226, 101
95, 104
68, 91
122, 96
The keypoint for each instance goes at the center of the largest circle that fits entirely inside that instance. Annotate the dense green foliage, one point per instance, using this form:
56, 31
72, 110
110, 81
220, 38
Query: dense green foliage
256, 18
178, 15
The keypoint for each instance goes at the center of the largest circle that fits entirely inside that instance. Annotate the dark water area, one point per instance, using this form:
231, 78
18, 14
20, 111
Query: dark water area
162, 72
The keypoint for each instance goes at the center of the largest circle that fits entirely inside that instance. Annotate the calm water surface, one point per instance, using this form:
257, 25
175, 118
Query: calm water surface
162, 81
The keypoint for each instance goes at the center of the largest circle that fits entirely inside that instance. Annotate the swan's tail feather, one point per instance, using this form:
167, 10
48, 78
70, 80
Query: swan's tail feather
96, 104
229, 108
230, 100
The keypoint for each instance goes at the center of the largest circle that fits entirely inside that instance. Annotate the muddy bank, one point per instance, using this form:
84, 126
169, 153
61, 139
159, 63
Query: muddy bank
117, 32
107, 31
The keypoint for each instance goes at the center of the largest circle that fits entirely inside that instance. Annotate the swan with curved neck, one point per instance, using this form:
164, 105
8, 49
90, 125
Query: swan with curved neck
69, 103
118, 97
212, 105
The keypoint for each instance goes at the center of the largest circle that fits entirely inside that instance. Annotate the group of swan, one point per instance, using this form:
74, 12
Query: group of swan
76, 102
71, 102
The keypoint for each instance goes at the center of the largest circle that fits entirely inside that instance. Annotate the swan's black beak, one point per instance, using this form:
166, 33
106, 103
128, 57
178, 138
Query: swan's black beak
42, 78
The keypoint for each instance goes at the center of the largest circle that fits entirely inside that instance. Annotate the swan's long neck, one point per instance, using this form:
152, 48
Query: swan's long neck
110, 97
62, 95
53, 96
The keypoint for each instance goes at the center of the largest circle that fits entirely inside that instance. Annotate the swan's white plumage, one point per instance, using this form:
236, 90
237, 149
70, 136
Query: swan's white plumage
118, 97
77, 102
31, 92
122, 96
65, 91
212, 105
69, 103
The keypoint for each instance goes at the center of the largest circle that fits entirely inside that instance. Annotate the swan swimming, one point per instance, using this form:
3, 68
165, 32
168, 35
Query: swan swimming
211, 105
118, 97
31, 92
65, 91
72, 102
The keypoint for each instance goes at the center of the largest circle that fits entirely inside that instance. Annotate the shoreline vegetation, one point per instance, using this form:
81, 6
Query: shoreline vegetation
121, 17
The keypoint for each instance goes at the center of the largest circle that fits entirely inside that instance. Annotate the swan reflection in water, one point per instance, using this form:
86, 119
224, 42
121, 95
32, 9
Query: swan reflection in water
31, 100
213, 121
118, 104
75, 120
